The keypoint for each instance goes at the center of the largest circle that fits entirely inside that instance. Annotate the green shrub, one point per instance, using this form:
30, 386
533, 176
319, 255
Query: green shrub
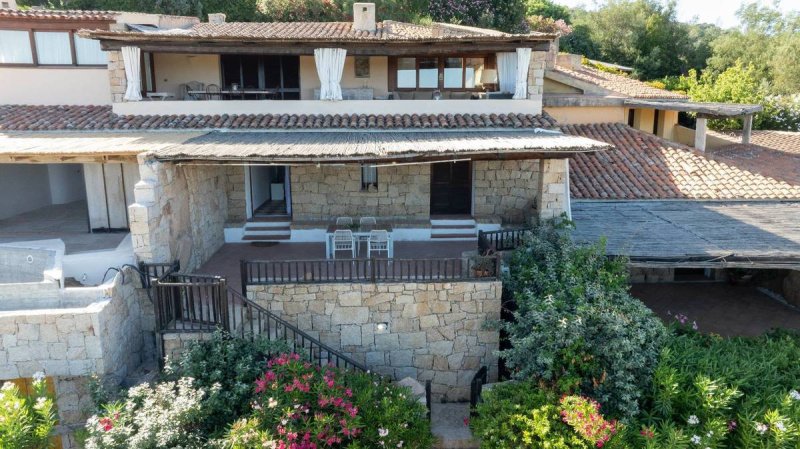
151, 417
26, 421
300, 405
725, 393
232, 364
521, 415
576, 329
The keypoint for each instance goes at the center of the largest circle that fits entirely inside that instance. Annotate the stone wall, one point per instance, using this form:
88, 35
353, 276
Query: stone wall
435, 330
539, 61
180, 212
551, 199
176, 343
235, 189
111, 337
319, 193
505, 189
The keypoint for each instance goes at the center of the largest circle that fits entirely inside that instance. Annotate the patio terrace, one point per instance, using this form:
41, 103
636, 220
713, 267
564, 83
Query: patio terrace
226, 261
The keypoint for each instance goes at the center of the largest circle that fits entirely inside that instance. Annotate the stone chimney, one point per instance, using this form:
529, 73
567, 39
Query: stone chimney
569, 61
364, 17
216, 18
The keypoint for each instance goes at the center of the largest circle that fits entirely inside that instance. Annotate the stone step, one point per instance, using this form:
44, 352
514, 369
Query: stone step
454, 236
266, 238
461, 226
448, 427
271, 218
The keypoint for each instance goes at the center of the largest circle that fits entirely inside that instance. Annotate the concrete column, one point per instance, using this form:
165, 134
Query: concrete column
700, 134
747, 129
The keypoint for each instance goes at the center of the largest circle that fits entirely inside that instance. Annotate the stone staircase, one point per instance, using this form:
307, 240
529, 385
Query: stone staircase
447, 425
453, 228
273, 228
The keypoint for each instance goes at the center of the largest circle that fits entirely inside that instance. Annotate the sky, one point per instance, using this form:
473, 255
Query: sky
719, 12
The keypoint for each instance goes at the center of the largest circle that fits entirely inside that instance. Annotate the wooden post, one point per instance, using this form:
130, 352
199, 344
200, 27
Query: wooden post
700, 134
747, 129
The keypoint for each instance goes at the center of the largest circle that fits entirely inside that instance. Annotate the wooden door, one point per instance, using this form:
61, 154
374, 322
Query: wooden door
451, 188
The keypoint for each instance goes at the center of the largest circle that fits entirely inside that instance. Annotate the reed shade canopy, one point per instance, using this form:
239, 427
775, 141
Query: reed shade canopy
377, 146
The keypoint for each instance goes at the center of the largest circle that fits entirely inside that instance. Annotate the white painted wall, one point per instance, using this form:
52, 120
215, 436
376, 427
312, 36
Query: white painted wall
260, 179
24, 187
43, 86
378, 76
66, 183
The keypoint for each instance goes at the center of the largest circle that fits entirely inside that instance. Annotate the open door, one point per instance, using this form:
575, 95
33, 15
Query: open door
269, 190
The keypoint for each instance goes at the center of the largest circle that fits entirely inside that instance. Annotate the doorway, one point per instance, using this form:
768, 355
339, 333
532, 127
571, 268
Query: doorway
451, 188
269, 190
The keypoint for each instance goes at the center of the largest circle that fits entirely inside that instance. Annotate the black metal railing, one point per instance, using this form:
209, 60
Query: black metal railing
264, 272
502, 240
475, 389
195, 303
150, 272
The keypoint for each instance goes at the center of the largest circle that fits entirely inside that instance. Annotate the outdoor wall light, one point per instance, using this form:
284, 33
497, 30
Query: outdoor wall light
382, 327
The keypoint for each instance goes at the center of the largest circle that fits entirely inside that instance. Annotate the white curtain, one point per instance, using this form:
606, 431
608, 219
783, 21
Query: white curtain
330, 64
507, 71
131, 57
523, 61
88, 52
52, 48
15, 47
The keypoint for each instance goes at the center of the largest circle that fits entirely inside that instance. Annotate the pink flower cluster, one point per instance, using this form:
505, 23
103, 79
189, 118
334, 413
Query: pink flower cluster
583, 415
307, 406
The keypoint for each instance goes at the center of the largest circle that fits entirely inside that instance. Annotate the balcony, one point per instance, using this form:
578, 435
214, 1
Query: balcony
215, 84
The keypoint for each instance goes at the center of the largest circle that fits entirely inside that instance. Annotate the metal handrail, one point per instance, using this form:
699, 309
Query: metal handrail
310, 271
502, 240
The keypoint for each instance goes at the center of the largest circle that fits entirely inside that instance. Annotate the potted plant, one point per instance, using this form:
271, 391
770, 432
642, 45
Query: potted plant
484, 266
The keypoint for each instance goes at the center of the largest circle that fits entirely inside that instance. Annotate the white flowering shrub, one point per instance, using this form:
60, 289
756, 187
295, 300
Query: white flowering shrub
151, 417
781, 112
26, 421
576, 329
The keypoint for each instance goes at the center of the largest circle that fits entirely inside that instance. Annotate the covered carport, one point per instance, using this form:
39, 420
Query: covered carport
732, 266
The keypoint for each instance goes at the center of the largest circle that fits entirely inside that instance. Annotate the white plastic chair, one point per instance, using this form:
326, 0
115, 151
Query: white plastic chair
343, 241
378, 241
344, 221
367, 221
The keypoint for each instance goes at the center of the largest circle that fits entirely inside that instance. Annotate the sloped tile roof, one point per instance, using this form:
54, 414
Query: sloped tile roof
618, 83
644, 166
786, 141
101, 118
50, 14
386, 31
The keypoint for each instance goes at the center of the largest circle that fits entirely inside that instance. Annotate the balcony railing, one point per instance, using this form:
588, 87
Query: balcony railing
502, 240
298, 107
324, 271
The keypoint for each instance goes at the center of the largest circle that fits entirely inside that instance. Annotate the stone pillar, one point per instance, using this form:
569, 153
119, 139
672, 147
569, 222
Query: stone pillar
146, 215
539, 60
116, 76
551, 199
700, 134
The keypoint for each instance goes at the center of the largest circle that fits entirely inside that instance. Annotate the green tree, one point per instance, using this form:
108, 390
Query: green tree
547, 8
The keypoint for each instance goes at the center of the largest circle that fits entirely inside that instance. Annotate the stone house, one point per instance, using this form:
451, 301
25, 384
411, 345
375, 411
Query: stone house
231, 148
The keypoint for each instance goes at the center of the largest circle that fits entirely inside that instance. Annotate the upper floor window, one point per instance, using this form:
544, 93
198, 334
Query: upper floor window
15, 47
451, 72
53, 48
61, 48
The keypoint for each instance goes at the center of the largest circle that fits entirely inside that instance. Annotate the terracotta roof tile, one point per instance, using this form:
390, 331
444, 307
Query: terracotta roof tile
786, 141
644, 166
100, 118
334, 31
618, 83
50, 14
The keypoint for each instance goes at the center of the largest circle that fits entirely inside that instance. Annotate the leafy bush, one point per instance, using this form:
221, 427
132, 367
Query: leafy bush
26, 421
781, 112
583, 415
300, 405
151, 417
724, 393
576, 329
232, 365
521, 415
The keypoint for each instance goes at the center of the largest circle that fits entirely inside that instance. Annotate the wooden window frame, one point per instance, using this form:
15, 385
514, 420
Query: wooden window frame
70, 28
489, 62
